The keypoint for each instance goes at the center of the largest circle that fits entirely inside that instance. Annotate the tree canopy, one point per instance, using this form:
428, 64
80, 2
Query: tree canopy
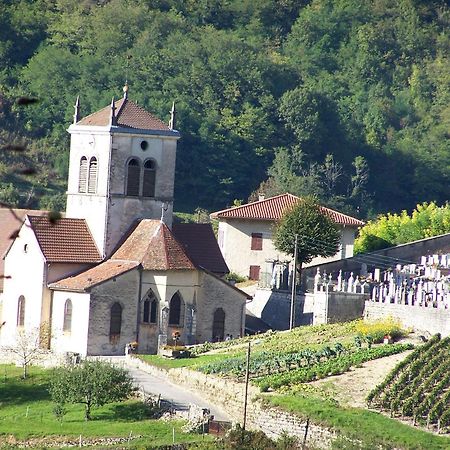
316, 233
319, 97
427, 220
92, 383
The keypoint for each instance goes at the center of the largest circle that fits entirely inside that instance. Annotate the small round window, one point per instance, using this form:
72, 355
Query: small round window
144, 145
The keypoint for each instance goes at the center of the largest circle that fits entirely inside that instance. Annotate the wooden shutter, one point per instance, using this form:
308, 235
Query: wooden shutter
82, 177
254, 272
92, 181
133, 178
257, 241
148, 184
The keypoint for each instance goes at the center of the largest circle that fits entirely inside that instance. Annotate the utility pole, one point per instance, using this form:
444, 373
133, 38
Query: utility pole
247, 373
294, 285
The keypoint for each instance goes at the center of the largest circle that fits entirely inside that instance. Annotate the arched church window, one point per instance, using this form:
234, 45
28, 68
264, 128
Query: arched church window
133, 177
115, 325
150, 308
92, 178
67, 324
82, 178
153, 311
176, 309
218, 325
149, 178
21, 311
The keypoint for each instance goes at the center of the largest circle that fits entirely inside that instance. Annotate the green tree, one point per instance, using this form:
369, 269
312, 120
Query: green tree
317, 234
427, 220
92, 383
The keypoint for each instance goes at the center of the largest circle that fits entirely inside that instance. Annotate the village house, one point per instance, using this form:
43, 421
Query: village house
245, 235
115, 269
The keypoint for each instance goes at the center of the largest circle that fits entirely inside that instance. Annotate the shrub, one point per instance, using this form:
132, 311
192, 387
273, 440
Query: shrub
376, 330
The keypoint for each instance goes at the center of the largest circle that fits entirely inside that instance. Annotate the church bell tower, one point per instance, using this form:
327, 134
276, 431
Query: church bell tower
122, 168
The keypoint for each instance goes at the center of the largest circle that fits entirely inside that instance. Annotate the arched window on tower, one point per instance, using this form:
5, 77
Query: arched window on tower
149, 178
67, 324
92, 178
115, 324
176, 310
82, 176
133, 177
21, 311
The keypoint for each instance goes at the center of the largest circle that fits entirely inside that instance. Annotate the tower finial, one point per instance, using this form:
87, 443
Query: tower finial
173, 117
113, 118
125, 90
76, 116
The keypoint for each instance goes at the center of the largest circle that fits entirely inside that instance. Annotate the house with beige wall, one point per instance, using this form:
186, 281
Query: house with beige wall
245, 235
114, 269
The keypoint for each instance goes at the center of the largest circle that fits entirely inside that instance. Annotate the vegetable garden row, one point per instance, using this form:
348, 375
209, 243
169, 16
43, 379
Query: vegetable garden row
273, 370
419, 386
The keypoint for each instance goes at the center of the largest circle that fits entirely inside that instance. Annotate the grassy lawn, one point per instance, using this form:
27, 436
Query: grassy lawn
26, 411
369, 427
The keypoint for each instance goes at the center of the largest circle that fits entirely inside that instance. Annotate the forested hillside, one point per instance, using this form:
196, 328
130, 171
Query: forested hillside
346, 99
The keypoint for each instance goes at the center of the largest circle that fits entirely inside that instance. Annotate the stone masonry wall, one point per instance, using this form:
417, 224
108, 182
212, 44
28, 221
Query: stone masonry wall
431, 320
229, 396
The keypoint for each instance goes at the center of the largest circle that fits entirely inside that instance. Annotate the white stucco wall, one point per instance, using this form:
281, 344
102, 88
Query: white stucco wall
235, 237
76, 339
25, 275
109, 220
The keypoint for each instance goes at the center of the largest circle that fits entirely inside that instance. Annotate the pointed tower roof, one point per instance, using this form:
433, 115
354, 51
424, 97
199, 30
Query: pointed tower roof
128, 115
153, 245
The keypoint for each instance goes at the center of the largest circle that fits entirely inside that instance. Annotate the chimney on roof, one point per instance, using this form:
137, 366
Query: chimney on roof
173, 117
113, 118
125, 90
76, 116
261, 196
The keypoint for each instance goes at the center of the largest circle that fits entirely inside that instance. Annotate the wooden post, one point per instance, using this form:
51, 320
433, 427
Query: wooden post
294, 285
247, 374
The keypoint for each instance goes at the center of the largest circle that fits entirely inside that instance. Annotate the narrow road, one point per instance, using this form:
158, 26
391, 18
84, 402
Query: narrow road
178, 396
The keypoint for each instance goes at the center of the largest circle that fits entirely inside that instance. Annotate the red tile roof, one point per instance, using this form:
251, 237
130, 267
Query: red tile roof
92, 277
66, 240
128, 115
273, 208
153, 245
10, 221
201, 246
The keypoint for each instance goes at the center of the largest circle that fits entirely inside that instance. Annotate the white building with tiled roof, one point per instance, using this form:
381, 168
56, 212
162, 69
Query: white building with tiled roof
112, 271
245, 235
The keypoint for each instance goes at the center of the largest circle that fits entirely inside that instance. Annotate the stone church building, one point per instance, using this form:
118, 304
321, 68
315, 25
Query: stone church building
115, 269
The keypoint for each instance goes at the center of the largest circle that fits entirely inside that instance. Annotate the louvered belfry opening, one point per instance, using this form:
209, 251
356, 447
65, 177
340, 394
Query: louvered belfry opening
133, 177
92, 180
148, 184
82, 179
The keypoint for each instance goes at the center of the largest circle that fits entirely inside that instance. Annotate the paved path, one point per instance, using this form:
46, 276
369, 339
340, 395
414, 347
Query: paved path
178, 396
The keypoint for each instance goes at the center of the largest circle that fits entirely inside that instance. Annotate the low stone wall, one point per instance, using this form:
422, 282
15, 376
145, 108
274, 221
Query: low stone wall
424, 319
229, 395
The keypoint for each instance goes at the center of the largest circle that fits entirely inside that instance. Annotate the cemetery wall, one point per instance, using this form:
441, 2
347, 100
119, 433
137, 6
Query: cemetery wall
422, 319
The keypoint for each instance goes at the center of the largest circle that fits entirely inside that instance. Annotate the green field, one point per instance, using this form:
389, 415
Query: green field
26, 412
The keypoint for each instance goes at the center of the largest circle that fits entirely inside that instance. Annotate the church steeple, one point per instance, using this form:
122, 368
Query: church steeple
122, 168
